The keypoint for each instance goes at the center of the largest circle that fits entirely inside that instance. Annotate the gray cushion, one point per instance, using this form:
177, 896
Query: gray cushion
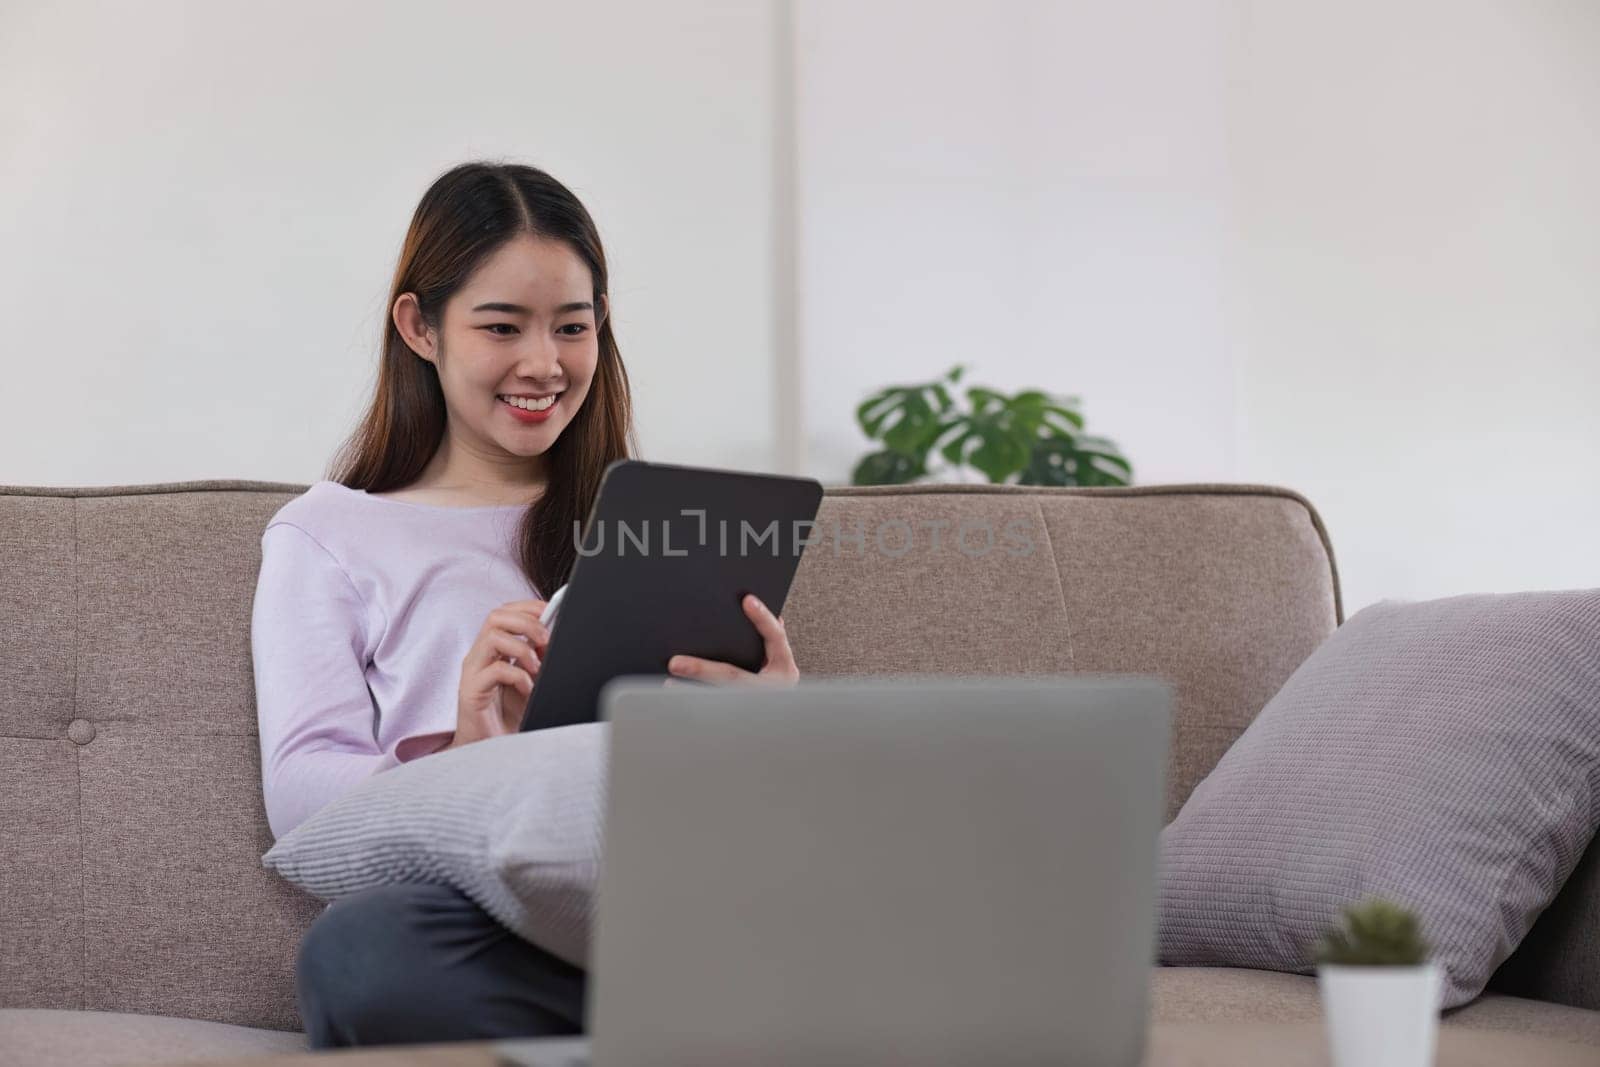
1444, 753
513, 822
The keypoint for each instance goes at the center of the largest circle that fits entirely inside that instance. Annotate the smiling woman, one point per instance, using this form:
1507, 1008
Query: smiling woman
501, 398
532, 357
397, 608
500, 379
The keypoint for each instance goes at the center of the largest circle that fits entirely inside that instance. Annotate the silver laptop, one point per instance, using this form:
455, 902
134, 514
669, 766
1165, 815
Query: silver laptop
907, 870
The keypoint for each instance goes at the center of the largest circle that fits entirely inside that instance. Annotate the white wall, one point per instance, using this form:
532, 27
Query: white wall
1418, 197
1349, 249
203, 202
1034, 189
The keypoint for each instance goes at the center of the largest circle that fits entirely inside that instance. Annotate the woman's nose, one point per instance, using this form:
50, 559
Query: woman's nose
540, 359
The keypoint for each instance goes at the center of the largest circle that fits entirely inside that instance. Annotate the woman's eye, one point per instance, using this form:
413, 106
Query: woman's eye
493, 326
579, 326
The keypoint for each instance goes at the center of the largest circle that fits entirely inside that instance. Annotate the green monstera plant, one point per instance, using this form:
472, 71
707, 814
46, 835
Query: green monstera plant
1033, 437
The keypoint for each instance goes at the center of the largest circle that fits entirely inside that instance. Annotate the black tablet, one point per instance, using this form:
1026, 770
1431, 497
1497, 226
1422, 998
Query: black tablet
664, 562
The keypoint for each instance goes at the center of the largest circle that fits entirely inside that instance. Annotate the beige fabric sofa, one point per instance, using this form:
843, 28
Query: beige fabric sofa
137, 923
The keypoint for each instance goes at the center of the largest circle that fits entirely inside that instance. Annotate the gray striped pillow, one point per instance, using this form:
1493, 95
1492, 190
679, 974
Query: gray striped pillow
1444, 753
513, 822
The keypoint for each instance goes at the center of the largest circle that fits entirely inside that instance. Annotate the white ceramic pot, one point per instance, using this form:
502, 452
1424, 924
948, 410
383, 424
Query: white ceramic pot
1381, 1016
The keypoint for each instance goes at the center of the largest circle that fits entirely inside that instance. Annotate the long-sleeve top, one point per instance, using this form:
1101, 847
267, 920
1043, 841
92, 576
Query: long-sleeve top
364, 610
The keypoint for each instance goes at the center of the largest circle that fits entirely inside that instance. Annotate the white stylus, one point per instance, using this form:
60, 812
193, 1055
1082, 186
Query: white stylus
549, 611
544, 616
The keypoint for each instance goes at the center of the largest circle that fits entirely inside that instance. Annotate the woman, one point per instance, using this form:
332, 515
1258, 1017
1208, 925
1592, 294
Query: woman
380, 629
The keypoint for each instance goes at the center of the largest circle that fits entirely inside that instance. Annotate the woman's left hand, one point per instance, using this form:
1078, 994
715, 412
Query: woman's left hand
779, 669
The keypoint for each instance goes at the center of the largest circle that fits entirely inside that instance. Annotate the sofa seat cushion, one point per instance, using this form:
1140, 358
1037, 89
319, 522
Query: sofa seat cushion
44, 1037
1224, 994
1178, 995
1305, 1044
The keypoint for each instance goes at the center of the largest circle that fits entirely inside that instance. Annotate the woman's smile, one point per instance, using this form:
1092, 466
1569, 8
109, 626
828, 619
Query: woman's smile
529, 410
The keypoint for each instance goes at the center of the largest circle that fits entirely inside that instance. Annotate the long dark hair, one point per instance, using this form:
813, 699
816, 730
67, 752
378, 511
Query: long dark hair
468, 213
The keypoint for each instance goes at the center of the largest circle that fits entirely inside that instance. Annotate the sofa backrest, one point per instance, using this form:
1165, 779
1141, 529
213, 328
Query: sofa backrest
131, 817
1221, 590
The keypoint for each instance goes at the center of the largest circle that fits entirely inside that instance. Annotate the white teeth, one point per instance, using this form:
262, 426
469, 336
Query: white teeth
529, 405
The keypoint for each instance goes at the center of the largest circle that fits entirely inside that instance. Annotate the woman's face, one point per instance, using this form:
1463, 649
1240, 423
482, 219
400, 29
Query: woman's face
522, 326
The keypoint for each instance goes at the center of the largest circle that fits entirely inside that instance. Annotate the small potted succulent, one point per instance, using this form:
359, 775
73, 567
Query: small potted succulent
1380, 988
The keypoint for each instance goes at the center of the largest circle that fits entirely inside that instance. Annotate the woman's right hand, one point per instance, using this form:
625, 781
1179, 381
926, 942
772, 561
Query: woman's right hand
498, 672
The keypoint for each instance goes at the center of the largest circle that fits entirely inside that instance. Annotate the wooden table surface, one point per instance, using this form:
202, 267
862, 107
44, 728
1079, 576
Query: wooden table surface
1171, 1045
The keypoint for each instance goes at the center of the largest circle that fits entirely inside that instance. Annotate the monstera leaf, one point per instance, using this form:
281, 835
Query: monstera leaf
887, 467
1076, 461
1034, 436
999, 435
906, 418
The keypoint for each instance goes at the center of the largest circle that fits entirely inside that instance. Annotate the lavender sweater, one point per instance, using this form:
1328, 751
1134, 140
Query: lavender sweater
364, 609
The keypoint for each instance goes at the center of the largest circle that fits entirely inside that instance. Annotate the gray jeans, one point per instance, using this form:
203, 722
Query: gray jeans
414, 963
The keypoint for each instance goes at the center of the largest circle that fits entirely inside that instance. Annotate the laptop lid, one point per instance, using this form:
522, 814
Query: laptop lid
912, 870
